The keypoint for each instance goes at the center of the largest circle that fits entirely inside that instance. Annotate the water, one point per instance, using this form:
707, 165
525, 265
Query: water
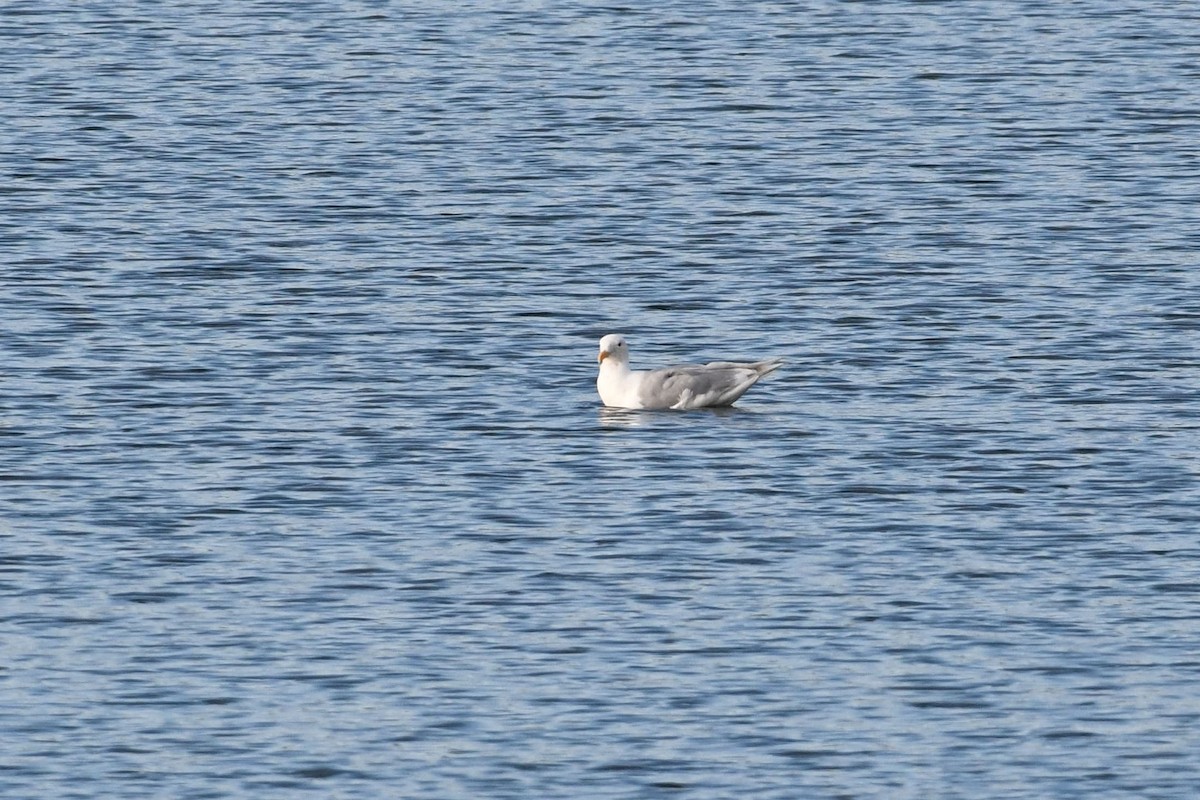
307, 492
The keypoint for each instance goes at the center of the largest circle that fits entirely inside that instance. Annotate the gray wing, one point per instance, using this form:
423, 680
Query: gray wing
699, 385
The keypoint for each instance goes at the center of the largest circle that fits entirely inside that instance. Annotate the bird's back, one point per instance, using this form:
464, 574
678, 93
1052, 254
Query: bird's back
718, 383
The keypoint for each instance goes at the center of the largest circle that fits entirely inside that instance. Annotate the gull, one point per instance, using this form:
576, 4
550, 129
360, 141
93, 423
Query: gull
717, 383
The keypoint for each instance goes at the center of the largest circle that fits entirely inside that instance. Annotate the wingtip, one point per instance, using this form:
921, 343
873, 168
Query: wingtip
770, 365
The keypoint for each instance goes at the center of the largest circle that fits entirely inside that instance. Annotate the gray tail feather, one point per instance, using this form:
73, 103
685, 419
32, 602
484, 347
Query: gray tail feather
768, 366
761, 367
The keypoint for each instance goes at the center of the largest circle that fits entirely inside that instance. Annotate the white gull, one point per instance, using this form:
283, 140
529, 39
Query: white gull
717, 383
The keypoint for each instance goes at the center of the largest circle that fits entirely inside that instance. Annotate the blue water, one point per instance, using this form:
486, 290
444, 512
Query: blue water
305, 489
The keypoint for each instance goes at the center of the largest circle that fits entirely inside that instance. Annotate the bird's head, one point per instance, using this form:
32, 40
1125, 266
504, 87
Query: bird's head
613, 346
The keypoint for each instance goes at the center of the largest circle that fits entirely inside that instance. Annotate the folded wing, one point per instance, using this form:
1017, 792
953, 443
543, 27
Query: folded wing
718, 383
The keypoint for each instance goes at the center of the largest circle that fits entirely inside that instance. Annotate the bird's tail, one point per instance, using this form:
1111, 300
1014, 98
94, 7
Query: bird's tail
767, 366
761, 367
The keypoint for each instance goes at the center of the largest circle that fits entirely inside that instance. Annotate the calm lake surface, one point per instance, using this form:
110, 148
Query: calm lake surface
305, 489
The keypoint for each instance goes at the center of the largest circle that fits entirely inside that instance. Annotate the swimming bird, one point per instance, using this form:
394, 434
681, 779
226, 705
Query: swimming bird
717, 383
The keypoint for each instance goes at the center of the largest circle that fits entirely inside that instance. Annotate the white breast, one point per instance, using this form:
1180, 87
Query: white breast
618, 386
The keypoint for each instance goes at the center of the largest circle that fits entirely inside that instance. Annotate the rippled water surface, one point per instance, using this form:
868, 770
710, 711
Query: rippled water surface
306, 489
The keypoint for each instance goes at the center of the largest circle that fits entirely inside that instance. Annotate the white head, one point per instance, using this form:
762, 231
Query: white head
613, 346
